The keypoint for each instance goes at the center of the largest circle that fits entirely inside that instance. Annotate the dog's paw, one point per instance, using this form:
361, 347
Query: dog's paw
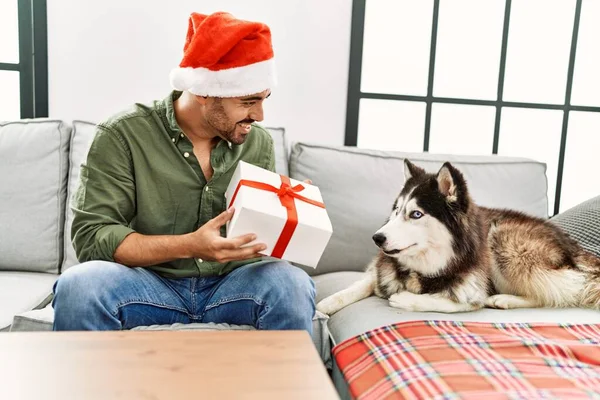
507, 302
407, 301
330, 305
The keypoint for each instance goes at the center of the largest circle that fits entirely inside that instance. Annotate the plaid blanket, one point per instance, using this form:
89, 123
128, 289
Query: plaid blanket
468, 360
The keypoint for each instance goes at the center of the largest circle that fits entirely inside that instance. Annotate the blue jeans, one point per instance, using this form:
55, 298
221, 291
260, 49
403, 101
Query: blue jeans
100, 295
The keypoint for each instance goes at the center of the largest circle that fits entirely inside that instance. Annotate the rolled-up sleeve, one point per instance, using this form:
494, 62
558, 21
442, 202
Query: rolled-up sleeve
104, 203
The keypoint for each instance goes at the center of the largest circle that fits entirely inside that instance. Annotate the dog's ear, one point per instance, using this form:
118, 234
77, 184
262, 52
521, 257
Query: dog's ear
451, 182
411, 170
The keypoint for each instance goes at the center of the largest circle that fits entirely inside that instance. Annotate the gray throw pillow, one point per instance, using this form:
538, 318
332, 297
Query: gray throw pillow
582, 223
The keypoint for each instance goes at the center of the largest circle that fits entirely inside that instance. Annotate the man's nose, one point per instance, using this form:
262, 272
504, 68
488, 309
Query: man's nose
256, 112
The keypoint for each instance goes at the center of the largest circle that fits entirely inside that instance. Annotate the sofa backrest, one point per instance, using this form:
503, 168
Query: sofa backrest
33, 188
360, 186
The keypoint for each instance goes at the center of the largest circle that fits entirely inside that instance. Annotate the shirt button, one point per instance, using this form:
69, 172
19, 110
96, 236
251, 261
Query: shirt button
199, 260
173, 140
181, 135
186, 154
206, 188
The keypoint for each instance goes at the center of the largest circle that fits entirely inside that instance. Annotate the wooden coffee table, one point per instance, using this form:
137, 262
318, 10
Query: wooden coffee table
162, 365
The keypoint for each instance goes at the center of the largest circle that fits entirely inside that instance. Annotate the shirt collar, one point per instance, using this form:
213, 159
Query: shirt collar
173, 128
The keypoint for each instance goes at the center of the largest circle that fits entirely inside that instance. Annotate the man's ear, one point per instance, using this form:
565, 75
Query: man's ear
411, 170
202, 100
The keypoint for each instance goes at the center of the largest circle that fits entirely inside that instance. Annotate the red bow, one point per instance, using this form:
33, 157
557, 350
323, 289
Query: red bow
286, 194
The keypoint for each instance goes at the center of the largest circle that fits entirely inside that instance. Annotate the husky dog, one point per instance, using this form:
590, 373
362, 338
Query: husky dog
439, 251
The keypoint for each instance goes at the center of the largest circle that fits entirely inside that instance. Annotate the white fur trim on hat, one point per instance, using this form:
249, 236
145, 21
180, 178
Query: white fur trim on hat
232, 82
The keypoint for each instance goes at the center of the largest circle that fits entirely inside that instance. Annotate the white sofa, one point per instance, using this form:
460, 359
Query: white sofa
39, 169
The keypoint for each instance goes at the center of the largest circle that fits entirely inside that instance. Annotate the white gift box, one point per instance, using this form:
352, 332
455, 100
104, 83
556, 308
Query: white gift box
259, 210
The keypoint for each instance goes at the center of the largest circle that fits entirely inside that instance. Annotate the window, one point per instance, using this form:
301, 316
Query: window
23, 59
481, 77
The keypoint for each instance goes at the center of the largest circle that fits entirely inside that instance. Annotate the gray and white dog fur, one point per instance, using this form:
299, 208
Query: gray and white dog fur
440, 252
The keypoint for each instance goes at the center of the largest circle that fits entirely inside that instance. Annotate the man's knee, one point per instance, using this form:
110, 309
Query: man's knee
86, 282
290, 289
84, 296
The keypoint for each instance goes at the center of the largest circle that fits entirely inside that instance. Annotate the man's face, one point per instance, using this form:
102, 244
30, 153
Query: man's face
231, 117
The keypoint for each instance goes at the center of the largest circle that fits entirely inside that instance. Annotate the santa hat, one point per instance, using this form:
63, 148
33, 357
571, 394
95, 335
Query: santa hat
225, 57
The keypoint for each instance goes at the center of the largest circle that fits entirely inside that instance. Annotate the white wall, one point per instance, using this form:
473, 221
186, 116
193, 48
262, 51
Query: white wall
105, 55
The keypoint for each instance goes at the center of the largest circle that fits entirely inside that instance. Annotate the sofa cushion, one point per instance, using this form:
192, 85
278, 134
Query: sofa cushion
81, 140
21, 292
33, 178
582, 223
359, 188
374, 312
38, 320
333, 282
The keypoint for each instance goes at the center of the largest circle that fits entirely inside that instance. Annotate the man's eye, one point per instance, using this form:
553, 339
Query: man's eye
248, 104
415, 214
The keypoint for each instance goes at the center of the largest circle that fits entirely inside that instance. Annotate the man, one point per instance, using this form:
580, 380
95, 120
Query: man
149, 213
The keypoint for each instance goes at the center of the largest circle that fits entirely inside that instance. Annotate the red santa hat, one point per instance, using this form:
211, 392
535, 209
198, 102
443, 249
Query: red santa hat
225, 57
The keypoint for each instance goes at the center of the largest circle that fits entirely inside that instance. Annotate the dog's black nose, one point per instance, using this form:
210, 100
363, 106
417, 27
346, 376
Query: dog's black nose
379, 239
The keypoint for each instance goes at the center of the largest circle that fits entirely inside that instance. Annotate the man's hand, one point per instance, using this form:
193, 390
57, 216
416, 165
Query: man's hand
206, 243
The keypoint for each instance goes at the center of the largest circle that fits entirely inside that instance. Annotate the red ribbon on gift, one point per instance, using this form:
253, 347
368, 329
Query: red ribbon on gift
286, 194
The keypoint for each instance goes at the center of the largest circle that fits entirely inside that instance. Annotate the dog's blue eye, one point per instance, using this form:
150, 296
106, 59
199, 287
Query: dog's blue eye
416, 214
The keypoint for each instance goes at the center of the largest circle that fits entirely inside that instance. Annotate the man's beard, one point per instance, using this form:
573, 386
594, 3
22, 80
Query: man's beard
221, 123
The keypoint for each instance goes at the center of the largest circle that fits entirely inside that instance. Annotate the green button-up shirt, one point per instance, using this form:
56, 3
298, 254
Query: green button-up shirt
141, 175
